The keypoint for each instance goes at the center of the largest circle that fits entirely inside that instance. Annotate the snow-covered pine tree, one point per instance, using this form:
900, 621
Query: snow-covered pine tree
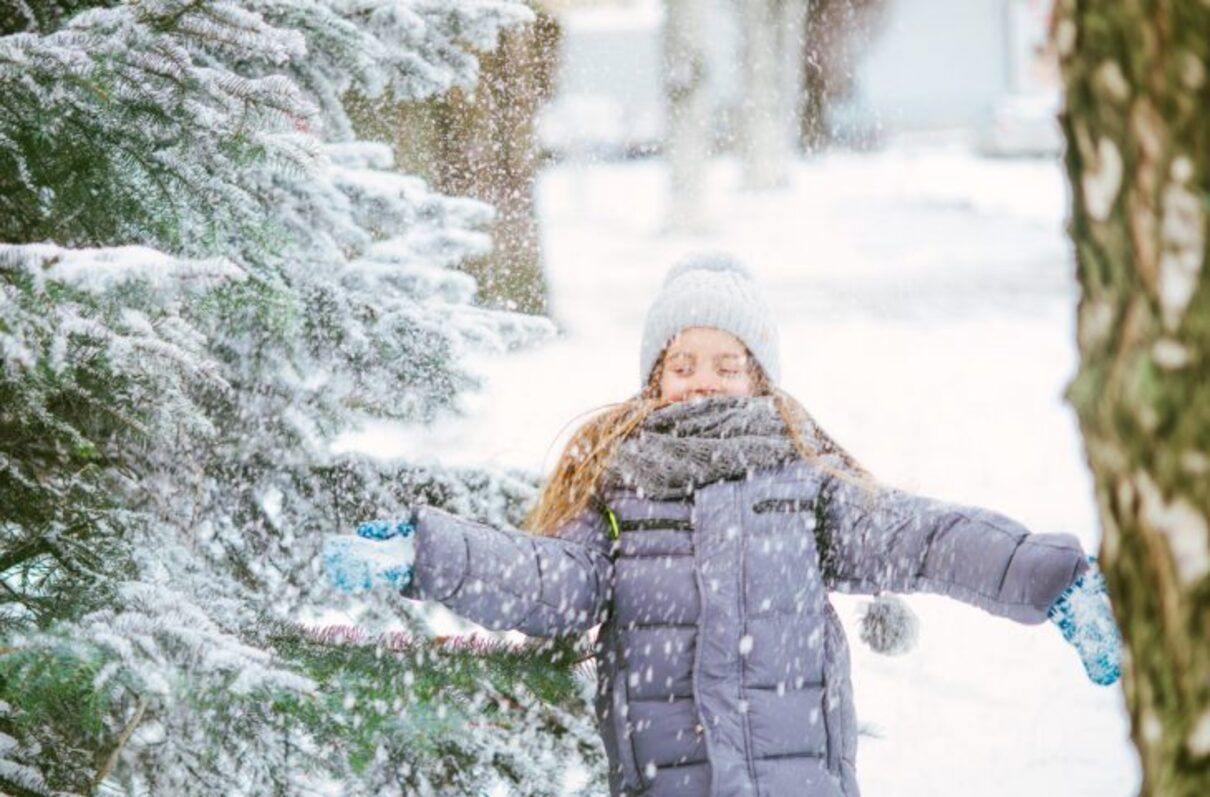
168, 408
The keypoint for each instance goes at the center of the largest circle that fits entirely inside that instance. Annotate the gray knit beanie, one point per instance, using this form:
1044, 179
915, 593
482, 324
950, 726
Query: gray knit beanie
710, 291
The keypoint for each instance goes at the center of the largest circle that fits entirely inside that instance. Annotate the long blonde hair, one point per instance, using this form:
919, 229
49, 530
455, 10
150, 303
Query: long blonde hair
573, 485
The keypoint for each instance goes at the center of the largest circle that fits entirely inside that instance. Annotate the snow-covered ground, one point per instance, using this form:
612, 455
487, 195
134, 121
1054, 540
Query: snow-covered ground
927, 301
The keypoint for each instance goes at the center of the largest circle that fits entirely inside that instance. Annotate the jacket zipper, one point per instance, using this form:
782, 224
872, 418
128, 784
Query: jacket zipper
743, 610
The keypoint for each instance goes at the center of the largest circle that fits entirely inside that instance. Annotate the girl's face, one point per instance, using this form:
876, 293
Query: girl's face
704, 361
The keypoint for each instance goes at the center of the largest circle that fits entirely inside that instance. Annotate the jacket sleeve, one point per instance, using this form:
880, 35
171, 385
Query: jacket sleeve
502, 579
886, 539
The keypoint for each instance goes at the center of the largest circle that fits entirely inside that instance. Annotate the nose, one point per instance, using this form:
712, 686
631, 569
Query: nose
703, 385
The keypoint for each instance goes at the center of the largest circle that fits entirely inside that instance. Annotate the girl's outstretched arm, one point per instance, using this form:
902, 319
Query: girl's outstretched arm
501, 579
895, 541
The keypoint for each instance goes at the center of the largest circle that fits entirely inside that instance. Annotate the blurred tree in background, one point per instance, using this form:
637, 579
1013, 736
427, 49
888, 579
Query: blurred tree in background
836, 32
481, 142
775, 47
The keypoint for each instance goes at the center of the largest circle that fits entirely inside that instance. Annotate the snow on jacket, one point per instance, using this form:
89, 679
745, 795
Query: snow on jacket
723, 668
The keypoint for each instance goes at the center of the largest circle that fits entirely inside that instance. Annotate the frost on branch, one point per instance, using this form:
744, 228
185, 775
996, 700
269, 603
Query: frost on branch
233, 282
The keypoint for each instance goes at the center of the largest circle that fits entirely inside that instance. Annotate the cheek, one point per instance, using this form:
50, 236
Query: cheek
743, 386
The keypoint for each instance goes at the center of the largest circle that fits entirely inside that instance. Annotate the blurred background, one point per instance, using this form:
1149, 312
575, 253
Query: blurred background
870, 71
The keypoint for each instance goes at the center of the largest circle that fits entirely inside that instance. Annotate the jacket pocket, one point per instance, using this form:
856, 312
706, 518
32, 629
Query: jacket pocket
623, 734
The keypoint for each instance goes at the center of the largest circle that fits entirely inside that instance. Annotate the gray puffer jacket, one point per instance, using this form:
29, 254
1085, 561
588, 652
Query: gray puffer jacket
723, 669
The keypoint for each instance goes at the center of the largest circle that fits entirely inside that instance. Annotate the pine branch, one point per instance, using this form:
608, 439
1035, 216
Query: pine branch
8, 787
32, 549
423, 694
123, 738
528, 659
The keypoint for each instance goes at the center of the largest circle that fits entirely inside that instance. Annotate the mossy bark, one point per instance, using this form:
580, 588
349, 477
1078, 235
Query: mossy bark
483, 144
1137, 124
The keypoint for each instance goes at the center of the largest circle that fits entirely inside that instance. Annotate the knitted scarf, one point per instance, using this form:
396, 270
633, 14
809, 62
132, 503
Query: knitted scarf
687, 444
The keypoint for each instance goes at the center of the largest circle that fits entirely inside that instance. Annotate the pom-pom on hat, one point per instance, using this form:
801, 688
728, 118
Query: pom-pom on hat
711, 290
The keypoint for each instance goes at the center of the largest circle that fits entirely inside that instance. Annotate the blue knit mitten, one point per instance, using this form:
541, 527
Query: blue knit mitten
1084, 616
382, 552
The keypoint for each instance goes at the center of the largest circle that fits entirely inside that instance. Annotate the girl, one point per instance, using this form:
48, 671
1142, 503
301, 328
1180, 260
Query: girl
702, 523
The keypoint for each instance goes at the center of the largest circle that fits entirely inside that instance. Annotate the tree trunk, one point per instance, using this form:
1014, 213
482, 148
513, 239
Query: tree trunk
792, 79
1137, 124
773, 86
760, 136
688, 112
836, 32
482, 143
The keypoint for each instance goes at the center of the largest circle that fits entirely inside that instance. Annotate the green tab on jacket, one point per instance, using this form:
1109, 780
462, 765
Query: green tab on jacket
614, 531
